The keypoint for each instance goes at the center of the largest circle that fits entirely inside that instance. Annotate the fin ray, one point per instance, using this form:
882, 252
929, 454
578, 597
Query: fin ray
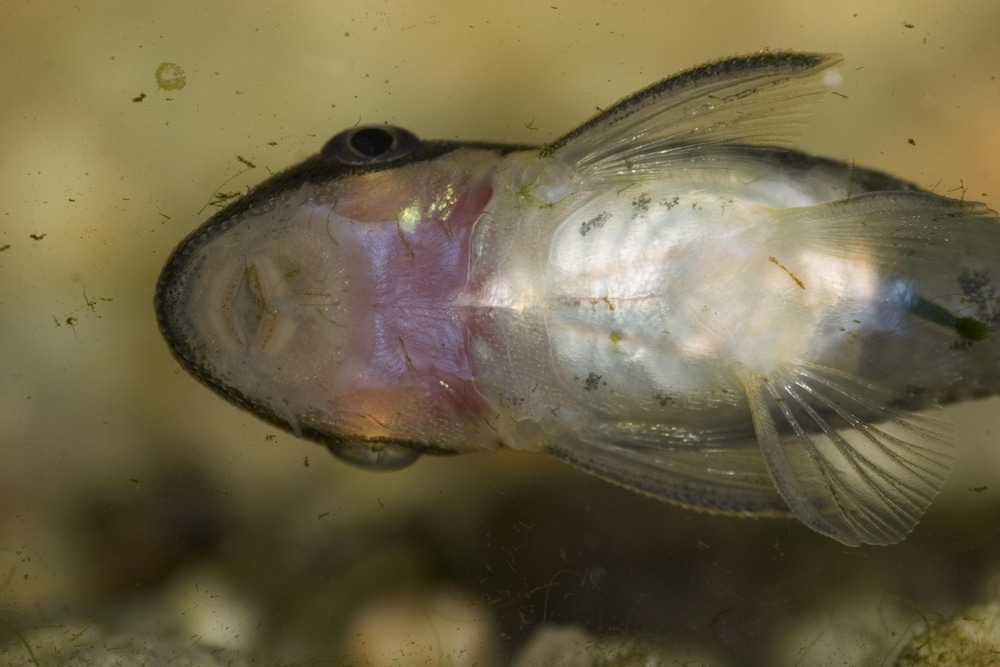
760, 100
846, 461
715, 472
889, 226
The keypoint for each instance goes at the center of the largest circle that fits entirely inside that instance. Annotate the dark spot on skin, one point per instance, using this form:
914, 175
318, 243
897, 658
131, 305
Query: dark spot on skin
4, 247
663, 399
594, 223
670, 203
640, 206
592, 382
978, 489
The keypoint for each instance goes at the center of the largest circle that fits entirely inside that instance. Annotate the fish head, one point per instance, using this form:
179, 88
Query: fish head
323, 300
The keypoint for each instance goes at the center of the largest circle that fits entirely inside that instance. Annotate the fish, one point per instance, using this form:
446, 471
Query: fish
670, 296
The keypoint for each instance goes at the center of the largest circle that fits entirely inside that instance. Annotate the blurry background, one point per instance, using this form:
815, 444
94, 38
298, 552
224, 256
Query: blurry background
134, 500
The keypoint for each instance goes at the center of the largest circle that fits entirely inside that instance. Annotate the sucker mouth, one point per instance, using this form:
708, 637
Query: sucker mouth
257, 307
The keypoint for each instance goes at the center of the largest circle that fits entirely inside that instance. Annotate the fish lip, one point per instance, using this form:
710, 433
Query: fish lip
170, 301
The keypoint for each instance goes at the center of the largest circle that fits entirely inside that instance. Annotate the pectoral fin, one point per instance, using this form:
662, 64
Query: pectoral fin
759, 100
848, 464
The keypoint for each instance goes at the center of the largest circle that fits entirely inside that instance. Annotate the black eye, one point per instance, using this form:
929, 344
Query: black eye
370, 144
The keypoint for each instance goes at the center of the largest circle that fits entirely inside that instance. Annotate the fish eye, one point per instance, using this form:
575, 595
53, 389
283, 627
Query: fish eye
370, 144
374, 455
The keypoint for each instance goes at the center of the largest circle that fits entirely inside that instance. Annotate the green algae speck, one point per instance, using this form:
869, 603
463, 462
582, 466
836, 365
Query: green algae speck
170, 76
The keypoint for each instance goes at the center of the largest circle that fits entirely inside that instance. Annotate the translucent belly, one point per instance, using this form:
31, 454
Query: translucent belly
651, 305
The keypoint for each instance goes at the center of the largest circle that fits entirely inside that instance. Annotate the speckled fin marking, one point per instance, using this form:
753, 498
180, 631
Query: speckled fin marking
761, 100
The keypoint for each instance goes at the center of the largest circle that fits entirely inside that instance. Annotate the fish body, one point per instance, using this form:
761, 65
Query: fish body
667, 297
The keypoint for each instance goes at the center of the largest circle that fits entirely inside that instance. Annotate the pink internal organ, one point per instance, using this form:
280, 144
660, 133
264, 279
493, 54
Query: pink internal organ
417, 383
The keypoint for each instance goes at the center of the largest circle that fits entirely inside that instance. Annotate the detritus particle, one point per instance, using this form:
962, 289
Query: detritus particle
170, 76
